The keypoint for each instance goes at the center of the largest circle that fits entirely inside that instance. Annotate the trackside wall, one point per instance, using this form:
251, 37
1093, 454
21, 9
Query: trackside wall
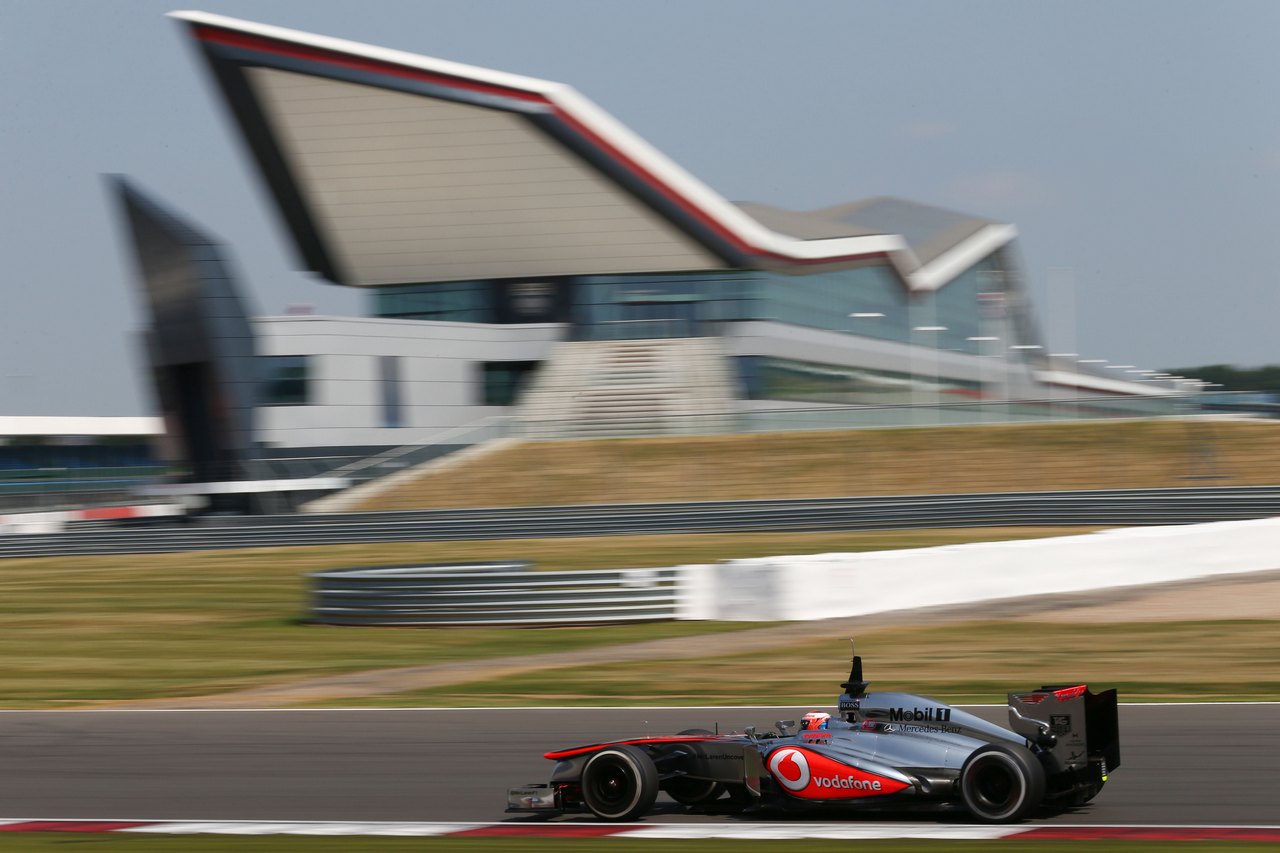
824, 586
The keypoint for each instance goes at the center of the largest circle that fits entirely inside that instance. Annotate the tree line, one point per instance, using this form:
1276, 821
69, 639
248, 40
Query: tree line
1232, 378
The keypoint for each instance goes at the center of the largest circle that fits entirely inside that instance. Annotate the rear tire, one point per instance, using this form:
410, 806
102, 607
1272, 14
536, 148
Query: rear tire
619, 783
1001, 784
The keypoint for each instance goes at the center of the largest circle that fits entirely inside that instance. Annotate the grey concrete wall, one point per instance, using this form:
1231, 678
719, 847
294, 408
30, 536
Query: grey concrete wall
441, 380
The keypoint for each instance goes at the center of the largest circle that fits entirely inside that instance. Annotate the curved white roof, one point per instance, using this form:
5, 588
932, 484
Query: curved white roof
393, 168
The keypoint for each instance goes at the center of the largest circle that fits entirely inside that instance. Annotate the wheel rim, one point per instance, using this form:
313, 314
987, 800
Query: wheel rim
611, 786
994, 787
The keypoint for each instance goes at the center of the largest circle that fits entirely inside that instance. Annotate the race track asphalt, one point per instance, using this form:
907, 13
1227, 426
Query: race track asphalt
1181, 764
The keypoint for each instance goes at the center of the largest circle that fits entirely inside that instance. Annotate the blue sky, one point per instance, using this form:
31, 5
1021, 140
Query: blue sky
1136, 145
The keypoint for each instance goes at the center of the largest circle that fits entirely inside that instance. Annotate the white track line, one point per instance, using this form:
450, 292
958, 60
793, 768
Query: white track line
842, 830
548, 708
791, 831
420, 830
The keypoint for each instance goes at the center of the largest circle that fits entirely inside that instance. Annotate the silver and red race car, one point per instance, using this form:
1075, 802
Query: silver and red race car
885, 751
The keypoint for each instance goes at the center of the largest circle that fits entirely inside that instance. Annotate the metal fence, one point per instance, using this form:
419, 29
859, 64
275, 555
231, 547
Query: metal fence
491, 594
34, 491
438, 443
1097, 508
764, 417
967, 413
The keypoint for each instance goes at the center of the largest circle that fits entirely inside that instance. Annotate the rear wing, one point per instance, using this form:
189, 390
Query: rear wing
1076, 726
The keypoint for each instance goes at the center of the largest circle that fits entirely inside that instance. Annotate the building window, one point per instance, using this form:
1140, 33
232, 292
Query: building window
529, 301
284, 381
454, 301
389, 382
504, 380
660, 305
768, 378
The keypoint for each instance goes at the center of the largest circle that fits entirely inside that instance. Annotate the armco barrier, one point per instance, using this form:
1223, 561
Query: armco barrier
1099, 508
491, 594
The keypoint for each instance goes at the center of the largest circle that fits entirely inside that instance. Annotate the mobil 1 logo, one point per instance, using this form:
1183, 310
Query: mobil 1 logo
919, 715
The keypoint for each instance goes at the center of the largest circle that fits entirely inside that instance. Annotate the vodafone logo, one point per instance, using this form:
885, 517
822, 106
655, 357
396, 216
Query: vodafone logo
790, 768
853, 783
813, 776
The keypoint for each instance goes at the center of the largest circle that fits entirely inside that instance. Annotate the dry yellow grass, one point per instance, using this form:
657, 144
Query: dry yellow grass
78, 630
966, 661
1131, 454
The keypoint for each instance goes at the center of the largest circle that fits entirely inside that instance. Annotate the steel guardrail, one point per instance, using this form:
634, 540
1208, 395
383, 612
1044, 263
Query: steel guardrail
1099, 508
491, 594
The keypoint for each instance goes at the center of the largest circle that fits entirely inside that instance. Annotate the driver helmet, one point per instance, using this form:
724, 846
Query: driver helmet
814, 720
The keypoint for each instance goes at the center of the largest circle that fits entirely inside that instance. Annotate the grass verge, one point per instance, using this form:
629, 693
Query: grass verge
996, 458
83, 630
962, 662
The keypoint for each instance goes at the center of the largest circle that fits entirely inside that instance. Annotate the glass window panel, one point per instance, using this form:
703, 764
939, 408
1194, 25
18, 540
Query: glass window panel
782, 379
465, 301
504, 380
284, 380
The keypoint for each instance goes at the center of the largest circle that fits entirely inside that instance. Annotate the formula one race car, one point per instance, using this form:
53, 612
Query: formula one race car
888, 751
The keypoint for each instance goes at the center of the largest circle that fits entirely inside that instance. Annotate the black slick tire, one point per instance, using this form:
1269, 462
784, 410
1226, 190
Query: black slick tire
619, 783
1001, 784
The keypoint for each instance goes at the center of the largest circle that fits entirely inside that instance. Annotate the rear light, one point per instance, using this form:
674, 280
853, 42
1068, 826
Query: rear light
1070, 692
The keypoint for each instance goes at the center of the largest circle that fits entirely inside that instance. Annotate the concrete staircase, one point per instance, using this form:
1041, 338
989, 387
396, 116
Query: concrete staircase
599, 389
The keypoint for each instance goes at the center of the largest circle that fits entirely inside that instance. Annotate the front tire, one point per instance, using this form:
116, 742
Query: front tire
1001, 784
619, 783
